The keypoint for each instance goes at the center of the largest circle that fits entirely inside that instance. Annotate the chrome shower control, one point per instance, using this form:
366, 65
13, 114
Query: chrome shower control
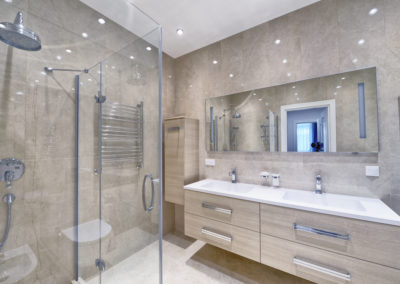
11, 169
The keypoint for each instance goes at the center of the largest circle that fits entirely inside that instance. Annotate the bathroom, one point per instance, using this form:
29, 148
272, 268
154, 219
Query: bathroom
147, 141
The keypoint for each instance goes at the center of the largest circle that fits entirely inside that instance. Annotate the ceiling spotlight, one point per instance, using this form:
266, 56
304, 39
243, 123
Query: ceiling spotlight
85, 35
278, 41
373, 11
8, 1
90, 79
284, 61
254, 94
338, 87
294, 87
343, 78
19, 93
260, 99
179, 32
148, 48
59, 57
215, 61
132, 57
101, 21
289, 74
361, 41
231, 75
355, 60
68, 51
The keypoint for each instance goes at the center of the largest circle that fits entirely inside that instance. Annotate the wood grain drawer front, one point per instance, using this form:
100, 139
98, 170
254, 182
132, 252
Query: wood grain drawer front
237, 240
369, 241
322, 266
233, 211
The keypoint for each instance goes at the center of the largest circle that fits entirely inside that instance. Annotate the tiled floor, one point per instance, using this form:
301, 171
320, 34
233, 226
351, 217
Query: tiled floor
189, 261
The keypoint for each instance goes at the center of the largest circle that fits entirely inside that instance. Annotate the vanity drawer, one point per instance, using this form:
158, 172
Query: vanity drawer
370, 241
237, 240
322, 266
242, 213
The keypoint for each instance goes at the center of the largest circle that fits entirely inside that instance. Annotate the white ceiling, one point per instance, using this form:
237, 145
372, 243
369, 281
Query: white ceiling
203, 21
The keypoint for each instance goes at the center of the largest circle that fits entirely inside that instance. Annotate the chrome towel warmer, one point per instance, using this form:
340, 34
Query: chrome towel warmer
122, 134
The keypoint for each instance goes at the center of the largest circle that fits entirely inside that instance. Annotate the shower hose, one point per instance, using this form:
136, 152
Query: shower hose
8, 225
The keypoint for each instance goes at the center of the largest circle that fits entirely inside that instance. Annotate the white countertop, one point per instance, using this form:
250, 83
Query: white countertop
362, 208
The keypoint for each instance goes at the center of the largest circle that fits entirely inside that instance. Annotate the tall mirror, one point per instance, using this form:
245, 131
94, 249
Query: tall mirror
336, 113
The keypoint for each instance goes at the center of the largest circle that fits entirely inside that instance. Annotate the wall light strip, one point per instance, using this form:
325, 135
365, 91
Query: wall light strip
361, 110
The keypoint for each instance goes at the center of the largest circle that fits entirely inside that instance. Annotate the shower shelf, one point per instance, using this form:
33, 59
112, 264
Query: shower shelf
122, 134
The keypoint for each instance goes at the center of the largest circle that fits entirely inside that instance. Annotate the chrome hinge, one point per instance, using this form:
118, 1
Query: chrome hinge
100, 264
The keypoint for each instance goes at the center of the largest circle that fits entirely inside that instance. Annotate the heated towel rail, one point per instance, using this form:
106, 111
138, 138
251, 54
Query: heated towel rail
122, 134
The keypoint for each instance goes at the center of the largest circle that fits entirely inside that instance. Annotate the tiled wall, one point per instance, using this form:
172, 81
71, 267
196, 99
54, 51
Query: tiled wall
317, 40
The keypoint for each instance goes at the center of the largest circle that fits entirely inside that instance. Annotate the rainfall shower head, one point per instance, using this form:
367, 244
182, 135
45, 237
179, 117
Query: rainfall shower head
19, 36
236, 115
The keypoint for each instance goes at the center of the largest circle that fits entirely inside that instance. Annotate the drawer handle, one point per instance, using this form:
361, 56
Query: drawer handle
227, 238
216, 208
329, 271
321, 232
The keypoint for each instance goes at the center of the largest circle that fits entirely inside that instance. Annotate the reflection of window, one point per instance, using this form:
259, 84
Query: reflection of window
306, 135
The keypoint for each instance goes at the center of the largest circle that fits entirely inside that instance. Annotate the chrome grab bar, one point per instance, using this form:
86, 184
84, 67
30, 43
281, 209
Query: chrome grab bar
220, 236
216, 208
148, 209
297, 227
329, 271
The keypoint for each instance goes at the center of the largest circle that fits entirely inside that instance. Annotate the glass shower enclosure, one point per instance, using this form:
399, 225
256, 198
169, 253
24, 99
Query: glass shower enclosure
118, 166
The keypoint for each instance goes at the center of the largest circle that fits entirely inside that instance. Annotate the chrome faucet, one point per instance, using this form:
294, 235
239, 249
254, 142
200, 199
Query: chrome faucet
318, 184
233, 174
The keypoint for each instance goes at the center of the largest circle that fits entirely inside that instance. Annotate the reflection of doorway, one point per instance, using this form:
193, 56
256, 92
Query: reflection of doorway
309, 127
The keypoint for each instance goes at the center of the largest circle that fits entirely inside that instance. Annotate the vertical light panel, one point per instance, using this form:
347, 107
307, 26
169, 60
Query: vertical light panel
211, 125
361, 110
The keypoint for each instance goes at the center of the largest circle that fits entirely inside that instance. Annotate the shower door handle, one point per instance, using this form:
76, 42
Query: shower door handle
148, 208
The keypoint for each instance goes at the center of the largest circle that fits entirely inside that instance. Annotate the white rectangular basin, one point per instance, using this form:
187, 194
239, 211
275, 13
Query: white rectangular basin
334, 201
362, 208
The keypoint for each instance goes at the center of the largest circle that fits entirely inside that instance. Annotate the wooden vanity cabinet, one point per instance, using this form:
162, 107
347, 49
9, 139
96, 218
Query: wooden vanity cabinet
181, 156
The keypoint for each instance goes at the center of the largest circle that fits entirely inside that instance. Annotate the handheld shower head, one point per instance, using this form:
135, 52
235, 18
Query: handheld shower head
17, 35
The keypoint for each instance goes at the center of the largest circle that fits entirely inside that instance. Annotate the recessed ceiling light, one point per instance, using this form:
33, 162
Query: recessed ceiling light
373, 11
58, 57
113, 67
231, 75
8, 1
338, 87
254, 94
68, 51
37, 81
335, 93
296, 94
260, 99
278, 41
85, 35
19, 93
190, 86
284, 61
101, 21
355, 60
179, 32
361, 41
148, 48
294, 87
132, 57
90, 79
289, 74
215, 61
343, 78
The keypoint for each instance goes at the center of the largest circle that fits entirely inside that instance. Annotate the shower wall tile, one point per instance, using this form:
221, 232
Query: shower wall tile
318, 40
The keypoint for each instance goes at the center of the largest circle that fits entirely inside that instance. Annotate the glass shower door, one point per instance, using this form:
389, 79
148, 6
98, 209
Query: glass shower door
119, 151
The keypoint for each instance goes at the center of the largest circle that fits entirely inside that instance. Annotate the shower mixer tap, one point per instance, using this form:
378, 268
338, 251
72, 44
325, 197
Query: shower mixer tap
11, 169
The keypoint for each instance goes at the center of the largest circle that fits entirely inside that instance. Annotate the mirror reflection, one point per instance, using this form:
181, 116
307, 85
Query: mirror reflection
336, 113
